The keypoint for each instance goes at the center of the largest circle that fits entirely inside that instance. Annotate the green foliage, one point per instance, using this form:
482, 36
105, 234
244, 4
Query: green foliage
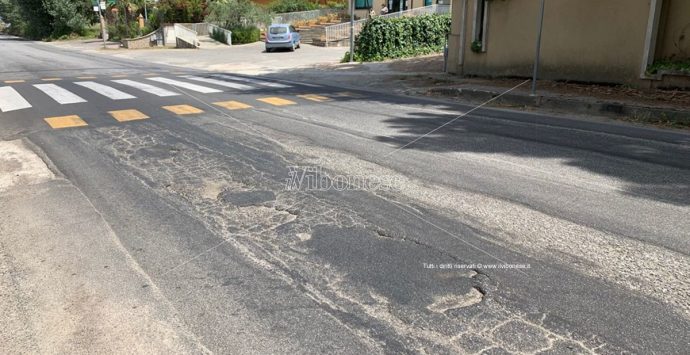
282, 6
337, 5
47, 19
219, 36
248, 34
236, 14
183, 11
680, 65
67, 17
476, 46
384, 38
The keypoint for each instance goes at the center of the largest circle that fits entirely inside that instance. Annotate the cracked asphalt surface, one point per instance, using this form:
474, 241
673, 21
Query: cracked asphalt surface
215, 253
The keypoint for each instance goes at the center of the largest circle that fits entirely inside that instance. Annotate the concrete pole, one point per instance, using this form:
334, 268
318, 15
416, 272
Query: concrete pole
536, 57
146, 12
103, 27
352, 31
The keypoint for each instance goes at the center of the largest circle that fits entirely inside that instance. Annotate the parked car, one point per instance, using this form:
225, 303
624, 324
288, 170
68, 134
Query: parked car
282, 36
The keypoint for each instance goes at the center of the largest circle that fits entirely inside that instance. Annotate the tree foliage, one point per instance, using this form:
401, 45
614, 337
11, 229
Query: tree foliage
181, 11
235, 14
384, 38
46, 18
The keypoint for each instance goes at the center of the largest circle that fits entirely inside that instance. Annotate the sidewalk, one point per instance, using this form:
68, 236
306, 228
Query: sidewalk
66, 283
424, 76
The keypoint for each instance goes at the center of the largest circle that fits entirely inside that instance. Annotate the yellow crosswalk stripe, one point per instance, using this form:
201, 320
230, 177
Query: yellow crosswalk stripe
86, 77
232, 105
128, 115
183, 109
65, 121
345, 94
51, 79
276, 101
13, 81
119, 76
314, 97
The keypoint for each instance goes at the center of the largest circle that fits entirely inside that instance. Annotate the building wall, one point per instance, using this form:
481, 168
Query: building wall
674, 32
585, 40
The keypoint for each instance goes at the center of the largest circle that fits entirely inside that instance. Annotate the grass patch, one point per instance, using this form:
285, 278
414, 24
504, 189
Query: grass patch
682, 66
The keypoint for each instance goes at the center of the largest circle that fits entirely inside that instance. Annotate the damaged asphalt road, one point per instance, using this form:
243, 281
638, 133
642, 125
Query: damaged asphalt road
174, 223
250, 265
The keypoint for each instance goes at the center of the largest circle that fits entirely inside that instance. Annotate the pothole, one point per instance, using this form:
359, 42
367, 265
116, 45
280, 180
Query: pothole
448, 302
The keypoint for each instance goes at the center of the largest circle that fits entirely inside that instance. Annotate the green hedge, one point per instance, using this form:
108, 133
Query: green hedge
241, 35
282, 6
387, 38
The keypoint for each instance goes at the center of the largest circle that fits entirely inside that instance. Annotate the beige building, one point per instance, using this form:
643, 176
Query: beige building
605, 41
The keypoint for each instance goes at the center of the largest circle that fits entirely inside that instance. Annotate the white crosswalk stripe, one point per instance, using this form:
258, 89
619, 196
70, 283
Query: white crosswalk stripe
219, 82
147, 88
60, 95
252, 81
11, 100
185, 85
107, 91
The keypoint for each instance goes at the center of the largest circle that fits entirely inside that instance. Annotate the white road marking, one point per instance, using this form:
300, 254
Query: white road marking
219, 82
148, 88
10, 100
252, 81
105, 90
60, 95
185, 85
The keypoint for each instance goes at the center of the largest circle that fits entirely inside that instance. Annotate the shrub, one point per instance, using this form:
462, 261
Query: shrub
384, 38
281, 6
219, 36
242, 35
337, 5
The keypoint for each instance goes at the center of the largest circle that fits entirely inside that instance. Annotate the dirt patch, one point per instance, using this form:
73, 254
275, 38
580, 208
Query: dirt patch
21, 166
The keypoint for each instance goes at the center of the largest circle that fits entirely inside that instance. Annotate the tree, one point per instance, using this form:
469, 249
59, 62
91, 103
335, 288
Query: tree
46, 18
231, 14
67, 16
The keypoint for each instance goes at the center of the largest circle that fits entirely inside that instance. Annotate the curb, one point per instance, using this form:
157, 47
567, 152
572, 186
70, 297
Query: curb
571, 105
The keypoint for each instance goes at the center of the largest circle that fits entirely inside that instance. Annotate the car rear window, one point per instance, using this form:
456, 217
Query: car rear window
278, 30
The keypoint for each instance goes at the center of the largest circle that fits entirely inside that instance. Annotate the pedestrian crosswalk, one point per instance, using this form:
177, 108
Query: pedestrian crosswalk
105, 90
147, 88
185, 85
19, 95
60, 95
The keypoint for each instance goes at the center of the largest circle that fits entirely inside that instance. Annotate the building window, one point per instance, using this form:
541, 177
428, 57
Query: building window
428, 2
362, 4
480, 25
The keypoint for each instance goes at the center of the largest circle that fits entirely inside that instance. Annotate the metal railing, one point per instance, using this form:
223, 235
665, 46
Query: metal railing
228, 34
342, 31
186, 35
290, 17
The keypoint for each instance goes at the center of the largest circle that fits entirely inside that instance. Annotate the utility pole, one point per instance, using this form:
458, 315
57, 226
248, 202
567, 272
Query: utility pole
536, 57
146, 12
352, 31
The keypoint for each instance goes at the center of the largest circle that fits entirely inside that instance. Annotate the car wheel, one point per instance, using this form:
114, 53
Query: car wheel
269, 50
